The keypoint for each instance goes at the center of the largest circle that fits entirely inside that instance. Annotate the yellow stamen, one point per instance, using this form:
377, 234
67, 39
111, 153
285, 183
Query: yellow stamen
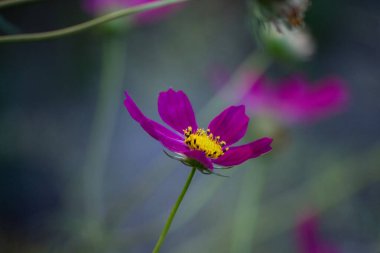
204, 141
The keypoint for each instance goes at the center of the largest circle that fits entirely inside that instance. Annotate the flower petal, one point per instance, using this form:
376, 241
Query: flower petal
169, 139
230, 125
175, 110
308, 237
173, 144
295, 100
200, 157
237, 155
329, 97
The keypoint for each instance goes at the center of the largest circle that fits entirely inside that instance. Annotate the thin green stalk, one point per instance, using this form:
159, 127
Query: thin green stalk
247, 209
86, 25
173, 212
110, 90
8, 3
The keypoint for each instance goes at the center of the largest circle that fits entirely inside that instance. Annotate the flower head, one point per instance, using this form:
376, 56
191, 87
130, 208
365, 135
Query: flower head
101, 6
295, 100
198, 147
308, 238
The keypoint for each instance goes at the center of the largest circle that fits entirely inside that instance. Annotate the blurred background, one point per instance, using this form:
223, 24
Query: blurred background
79, 175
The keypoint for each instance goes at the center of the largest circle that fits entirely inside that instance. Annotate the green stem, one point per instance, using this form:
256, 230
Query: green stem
173, 212
247, 207
86, 25
8, 3
95, 162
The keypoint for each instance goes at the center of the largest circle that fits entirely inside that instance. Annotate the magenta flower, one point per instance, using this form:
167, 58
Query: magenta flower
198, 147
295, 100
101, 6
308, 238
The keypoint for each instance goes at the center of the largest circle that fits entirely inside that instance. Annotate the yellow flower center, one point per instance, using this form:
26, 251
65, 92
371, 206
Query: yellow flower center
204, 141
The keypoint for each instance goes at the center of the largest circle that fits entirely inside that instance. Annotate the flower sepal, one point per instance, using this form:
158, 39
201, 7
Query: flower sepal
193, 163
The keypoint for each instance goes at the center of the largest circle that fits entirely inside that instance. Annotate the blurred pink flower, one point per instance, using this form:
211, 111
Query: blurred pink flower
102, 6
308, 238
294, 99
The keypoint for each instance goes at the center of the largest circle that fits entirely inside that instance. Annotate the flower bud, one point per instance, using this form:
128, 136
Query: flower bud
286, 44
288, 12
280, 29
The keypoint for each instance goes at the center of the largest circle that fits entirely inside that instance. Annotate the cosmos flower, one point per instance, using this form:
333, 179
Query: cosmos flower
196, 146
295, 100
101, 6
308, 238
